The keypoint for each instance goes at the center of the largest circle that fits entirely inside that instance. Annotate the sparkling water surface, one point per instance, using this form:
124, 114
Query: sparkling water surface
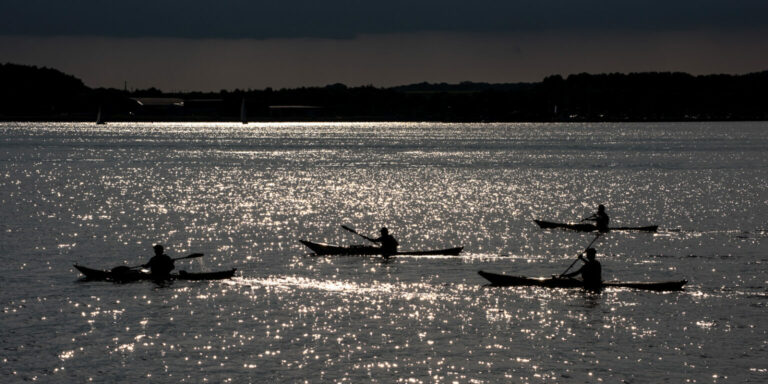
101, 196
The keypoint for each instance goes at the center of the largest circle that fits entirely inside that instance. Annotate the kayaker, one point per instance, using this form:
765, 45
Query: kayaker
591, 271
388, 242
160, 264
600, 218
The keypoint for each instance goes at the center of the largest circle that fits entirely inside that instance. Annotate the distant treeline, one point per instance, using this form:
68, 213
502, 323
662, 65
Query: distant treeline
31, 93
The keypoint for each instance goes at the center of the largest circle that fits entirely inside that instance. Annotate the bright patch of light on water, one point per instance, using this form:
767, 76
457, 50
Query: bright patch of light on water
101, 196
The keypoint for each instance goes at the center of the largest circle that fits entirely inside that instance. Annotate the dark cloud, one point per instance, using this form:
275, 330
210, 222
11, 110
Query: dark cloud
349, 18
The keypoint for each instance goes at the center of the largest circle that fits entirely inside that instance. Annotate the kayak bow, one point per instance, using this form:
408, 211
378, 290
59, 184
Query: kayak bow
499, 280
328, 249
138, 275
585, 227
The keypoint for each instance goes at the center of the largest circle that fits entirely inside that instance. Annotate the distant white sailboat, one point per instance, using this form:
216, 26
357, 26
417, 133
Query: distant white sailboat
99, 118
243, 113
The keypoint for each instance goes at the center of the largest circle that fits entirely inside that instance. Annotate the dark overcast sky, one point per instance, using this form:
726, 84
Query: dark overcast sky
235, 43
345, 19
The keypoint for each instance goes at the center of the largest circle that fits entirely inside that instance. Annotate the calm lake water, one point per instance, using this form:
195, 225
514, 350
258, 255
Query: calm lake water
101, 196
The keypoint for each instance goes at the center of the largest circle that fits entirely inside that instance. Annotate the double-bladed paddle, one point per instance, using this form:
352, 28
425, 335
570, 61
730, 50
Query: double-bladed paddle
124, 268
585, 249
355, 232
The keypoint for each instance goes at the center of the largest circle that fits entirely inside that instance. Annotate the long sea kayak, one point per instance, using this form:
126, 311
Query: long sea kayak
499, 280
586, 227
138, 275
358, 250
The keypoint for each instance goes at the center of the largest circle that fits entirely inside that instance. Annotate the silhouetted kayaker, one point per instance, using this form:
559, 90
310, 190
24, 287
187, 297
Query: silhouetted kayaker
388, 242
160, 264
591, 272
600, 218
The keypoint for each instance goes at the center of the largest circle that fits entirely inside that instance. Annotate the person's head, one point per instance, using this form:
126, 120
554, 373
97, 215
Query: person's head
158, 249
591, 253
384, 231
601, 208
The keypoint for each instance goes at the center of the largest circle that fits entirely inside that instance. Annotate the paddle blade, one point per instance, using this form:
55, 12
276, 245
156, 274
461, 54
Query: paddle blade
349, 229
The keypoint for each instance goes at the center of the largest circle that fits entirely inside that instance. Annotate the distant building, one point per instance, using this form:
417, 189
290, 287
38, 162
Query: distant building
164, 107
158, 102
158, 107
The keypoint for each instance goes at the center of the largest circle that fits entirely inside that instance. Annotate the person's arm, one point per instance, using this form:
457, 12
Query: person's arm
572, 274
169, 260
372, 239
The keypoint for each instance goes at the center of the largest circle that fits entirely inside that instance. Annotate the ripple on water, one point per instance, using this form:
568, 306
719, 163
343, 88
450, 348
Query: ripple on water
243, 195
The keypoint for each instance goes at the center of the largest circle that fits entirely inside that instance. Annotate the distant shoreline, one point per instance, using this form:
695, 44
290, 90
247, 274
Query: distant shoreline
319, 121
42, 94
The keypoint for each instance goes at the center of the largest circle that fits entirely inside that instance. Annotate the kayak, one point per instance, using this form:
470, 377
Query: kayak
327, 249
586, 227
138, 275
499, 280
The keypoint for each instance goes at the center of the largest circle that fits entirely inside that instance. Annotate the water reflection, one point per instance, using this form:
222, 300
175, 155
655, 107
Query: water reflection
101, 195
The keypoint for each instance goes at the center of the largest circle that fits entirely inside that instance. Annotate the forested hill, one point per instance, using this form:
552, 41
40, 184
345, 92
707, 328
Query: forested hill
26, 90
31, 93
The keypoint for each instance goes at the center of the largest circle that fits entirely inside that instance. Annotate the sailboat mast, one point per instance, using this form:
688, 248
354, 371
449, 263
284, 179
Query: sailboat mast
99, 118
